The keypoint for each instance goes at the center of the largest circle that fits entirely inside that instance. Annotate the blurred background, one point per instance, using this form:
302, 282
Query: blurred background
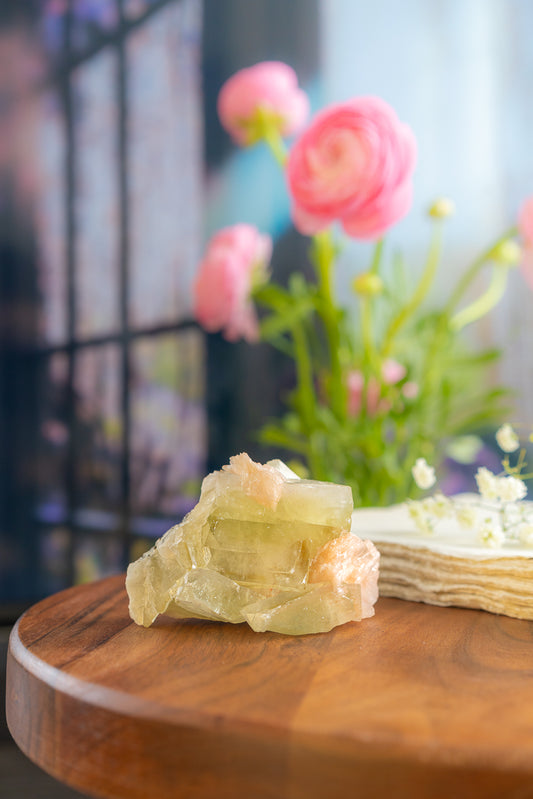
114, 171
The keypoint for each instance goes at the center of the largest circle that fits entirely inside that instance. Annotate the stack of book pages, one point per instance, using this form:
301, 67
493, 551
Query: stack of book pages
449, 566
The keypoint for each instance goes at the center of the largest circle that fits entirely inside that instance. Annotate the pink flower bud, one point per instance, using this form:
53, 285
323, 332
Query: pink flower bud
410, 390
354, 163
355, 383
235, 259
525, 226
373, 404
271, 88
392, 372
525, 221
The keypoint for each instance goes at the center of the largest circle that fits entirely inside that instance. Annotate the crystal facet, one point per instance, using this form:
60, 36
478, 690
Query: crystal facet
261, 546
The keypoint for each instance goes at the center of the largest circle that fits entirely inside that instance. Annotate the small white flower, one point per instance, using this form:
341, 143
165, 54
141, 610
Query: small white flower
421, 519
487, 482
511, 489
491, 534
438, 505
507, 438
423, 473
466, 516
525, 533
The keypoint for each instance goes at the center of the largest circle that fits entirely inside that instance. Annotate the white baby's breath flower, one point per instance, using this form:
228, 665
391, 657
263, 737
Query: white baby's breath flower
422, 520
487, 483
491, 534
423, 473
525, 534
438, 505
511, 489
507, 438
466, 516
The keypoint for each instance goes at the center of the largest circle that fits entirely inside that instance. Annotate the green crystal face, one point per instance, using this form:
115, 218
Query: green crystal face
245, 552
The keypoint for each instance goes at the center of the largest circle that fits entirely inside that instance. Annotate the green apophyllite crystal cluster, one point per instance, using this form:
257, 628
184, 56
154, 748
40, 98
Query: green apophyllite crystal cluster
261, 546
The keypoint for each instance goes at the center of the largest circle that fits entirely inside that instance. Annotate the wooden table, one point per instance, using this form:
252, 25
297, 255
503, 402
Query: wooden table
419, 701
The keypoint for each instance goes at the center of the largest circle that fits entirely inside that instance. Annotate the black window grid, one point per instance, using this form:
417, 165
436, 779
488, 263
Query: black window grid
61, 78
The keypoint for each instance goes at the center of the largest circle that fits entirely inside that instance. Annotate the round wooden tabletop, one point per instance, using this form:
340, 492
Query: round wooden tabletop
418, 701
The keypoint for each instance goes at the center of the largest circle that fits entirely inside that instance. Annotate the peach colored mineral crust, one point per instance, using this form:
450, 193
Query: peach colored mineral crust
262, 547
349, 560
261, 482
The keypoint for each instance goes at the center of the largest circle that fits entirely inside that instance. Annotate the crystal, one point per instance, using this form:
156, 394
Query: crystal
261, 546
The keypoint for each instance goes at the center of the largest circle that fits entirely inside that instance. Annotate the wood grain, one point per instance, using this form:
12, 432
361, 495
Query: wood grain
419, 701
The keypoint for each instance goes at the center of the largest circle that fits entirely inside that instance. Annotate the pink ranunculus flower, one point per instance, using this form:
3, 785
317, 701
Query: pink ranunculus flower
525, 226
235, 258
354, 163
355, 384
410, 390
392, 372
270, 87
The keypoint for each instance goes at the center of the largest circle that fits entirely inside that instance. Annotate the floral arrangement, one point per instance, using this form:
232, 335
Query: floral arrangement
497, 512
377, 390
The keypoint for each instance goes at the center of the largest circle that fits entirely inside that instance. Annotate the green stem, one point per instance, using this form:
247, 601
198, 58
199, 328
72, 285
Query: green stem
473, 270
369, 351
306, 399
325, 257
371, 361
276, 144
420, 293
304, 374
480, 307
455, 297
370, 356
376, 258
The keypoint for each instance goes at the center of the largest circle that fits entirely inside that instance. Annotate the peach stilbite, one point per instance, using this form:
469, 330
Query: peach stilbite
262, 483
347, 560
245, 552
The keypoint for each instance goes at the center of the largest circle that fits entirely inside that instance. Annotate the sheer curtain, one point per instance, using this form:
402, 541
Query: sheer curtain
460, 73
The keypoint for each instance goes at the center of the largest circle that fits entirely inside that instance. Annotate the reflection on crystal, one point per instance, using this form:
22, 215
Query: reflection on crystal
261, 546
315, 608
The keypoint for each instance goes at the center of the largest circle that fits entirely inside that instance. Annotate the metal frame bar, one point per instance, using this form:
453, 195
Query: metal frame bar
70, 217
73, 60
61, 78
122, 101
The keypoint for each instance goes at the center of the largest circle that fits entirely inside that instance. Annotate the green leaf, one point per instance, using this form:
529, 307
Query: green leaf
299, 287
282, 322
464, 449
273, 434
272, 296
